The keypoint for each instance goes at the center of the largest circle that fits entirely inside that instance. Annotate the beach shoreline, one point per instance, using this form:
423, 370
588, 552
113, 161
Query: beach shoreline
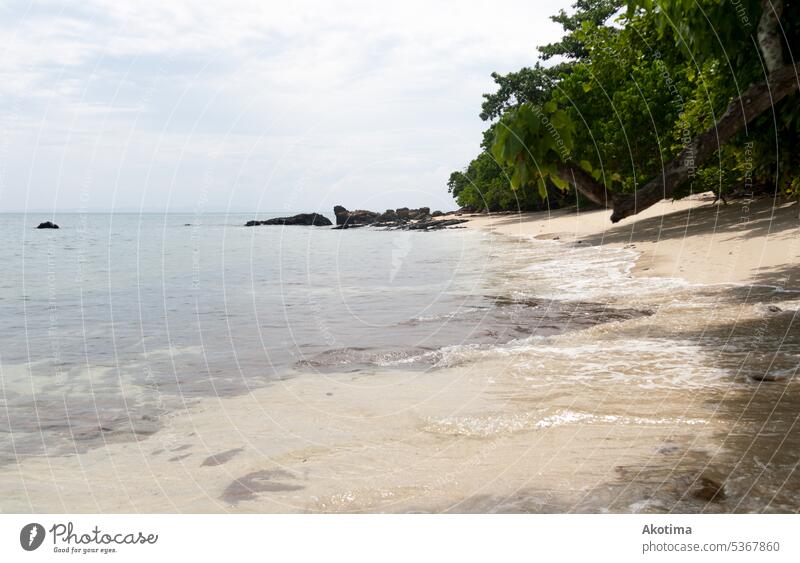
696, 239
538, 425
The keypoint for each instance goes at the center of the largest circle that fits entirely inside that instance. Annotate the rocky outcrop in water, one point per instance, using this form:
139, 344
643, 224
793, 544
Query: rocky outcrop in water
47, 225
427, 225
358, 217
307, 219
402, 218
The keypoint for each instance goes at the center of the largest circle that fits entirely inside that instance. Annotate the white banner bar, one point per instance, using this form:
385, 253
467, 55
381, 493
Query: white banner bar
401, 538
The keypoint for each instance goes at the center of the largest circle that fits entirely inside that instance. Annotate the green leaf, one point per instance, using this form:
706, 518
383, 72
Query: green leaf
560, 183
542, 189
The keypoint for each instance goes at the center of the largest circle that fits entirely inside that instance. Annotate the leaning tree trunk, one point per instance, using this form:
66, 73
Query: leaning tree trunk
758, 98
585, 184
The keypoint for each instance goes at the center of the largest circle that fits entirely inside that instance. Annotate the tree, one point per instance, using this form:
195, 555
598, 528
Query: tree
781, 81
628, 114
530, 85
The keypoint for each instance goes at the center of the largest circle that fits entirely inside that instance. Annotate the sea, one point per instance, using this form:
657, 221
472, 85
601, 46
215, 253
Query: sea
114, 322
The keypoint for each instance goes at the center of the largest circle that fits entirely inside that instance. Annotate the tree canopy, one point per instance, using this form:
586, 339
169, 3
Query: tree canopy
648, 100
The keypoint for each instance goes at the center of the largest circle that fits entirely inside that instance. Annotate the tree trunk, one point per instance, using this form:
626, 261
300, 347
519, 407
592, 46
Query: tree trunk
769, 34
585, 184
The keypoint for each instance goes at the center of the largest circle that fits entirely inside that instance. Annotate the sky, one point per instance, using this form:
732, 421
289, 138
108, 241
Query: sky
111, 105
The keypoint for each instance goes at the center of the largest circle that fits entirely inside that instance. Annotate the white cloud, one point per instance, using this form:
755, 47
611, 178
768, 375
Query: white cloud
277, 101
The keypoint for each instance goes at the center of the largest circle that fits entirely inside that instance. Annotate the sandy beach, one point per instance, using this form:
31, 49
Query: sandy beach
536, 426
746, 242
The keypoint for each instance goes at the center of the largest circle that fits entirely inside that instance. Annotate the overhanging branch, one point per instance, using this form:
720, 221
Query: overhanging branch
585, 184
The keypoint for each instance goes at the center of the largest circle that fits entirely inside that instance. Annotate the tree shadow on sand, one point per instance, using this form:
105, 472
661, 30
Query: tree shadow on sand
756, 464
740, 218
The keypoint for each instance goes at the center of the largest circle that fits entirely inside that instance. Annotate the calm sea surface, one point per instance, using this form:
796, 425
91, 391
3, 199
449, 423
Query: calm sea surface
114, 318
114, 321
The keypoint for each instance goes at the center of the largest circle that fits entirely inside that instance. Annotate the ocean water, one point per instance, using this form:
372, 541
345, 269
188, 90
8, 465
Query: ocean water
112, 321
618, 393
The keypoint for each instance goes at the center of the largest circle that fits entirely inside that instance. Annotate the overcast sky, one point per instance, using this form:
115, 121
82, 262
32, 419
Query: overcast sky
263, 105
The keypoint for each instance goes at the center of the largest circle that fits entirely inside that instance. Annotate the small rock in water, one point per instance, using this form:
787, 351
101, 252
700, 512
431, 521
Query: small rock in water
307, 219
768, 377
221, 458
774, 309
47, 225
708, 489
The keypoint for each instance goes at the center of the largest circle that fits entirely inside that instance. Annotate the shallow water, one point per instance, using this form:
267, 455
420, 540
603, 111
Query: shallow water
387, 371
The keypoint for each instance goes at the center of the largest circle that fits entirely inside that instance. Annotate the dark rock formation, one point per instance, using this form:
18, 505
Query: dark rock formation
47, 225
428, 224
346, 219
708, 489
400, 218
308, 219
422, 212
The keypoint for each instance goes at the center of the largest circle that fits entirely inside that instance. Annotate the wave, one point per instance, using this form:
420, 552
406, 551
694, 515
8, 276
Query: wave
485, 426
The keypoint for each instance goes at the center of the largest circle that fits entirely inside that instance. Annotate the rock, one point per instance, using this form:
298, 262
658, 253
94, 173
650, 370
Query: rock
400, 218
348, 226
389, 215
308, 219
768, 377
427, 225
347, 219
774, 309
340, 213
47, 225
708, 489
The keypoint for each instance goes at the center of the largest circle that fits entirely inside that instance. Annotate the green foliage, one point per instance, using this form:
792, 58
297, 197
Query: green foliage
532, 140
526, 85
572, 46
485, 185
633, 90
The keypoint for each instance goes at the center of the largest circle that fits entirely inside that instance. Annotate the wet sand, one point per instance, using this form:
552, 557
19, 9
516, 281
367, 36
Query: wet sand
743, 242
690, 408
